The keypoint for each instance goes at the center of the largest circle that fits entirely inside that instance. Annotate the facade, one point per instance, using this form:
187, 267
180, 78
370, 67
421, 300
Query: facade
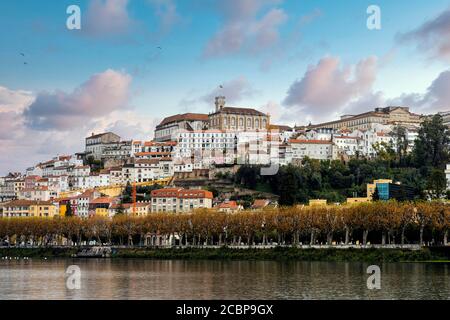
388, 190
386, 116
28, 208
315, 149
187, 121
97, 143
180, 200
237, 119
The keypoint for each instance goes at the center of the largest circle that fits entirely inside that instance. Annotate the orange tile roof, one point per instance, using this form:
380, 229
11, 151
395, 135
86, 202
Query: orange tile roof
228, 205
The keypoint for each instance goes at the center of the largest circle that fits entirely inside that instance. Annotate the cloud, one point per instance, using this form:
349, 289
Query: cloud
436, 98
432, 37
328, 86
102, 94
27, 145
242, 30
234, 90
11, 100
107, 18
166, 11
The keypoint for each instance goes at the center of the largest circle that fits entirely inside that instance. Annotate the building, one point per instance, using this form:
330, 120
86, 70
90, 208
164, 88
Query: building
187, 121
314, 149
386, 116
117, 150
387, 190
29, 208
237, 119
447, 175
97, 143
229, 206
317, 202
37, 194
445, 117
180, 200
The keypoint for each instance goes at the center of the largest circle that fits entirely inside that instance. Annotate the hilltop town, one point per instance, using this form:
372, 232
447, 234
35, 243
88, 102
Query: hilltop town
197, 160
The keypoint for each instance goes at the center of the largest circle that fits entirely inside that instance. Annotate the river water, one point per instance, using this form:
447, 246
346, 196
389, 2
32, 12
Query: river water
176, 279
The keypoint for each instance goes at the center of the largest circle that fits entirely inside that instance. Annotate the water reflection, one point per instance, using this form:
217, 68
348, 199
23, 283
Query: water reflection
168, 279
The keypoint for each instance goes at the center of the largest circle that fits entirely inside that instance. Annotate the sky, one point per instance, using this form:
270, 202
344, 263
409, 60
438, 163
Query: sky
134, 62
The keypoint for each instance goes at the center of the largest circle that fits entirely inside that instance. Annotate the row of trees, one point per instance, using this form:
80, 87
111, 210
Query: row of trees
378, 222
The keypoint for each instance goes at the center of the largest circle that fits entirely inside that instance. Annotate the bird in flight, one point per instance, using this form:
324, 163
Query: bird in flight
25, 63
159, 48
221, 86
22, 54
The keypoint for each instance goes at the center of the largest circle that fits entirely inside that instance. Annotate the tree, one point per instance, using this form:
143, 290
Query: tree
69, 212
399, 134
437, 183
376, 194
431, 148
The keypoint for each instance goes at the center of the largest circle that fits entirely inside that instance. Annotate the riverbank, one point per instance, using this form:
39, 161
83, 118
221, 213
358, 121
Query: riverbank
438, 254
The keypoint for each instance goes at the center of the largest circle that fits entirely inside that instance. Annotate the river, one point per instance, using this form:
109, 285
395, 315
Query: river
177, 279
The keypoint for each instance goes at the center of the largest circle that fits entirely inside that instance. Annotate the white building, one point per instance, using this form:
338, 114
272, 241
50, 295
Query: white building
180, 200
96, 143
314, 149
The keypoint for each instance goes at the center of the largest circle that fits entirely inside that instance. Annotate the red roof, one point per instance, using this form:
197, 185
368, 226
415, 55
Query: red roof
181, 193
228, 205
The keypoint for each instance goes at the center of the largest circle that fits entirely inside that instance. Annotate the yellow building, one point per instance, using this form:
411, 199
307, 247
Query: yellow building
29, 208
62, 210
318, 202
101, 212
358, 200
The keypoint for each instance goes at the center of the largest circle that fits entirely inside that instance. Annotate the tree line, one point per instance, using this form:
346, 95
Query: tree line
378, 223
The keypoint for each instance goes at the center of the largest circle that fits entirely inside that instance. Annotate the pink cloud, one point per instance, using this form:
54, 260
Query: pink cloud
328, 86
107, 17
243, 30
102, 94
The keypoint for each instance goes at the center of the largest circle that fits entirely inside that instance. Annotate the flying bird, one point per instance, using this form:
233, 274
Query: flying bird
221, 86
25, 63
159, 48
22, 54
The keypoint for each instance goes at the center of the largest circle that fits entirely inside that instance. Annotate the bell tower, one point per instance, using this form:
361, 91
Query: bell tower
220, 103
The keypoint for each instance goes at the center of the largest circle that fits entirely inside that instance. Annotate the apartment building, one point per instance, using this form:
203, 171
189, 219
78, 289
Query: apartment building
180, 200
29, 208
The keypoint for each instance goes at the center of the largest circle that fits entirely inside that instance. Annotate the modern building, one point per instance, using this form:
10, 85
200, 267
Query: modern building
387, 190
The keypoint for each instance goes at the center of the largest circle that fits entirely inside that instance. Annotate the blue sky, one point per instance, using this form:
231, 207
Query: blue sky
296, 59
